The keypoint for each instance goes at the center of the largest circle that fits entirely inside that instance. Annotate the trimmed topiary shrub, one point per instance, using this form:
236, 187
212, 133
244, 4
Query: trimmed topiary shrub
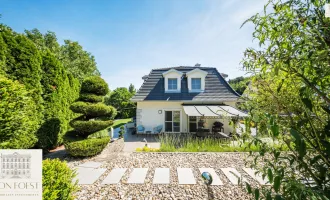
95, 85
80, 146
89, 136
18, 121
57, 180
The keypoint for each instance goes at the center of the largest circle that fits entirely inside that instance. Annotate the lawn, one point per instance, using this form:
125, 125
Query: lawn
120, 122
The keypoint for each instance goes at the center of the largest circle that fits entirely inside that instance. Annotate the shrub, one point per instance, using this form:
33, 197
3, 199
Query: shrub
90, 136
89, 97
121, 131
95, 85
86, 128
92, 110
78, 146
57, 180
18, 122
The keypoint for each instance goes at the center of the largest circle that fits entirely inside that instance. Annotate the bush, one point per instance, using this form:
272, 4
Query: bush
95, 85
89, 97
90, 136
92, 110
57, 180
86, 128
18, 122
77, 146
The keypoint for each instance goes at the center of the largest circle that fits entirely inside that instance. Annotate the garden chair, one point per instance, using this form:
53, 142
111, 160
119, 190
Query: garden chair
140, 129
158, 129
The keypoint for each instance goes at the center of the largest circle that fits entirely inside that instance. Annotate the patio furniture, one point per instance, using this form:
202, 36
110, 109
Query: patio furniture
158, 129
217, 127
222, 135
140, 129
202, 132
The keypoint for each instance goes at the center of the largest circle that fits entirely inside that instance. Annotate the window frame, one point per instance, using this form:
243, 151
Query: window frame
168, 84
192, 84
173, 121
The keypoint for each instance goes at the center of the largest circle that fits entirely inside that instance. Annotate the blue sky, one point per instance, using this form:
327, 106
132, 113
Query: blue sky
130, 37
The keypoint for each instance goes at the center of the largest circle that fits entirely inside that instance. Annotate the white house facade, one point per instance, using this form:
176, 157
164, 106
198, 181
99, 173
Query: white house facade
177, 99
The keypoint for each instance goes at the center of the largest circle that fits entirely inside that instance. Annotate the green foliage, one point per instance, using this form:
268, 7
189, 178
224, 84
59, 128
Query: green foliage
92, 110
18, 122
132, 89
78, 146
22, 63
121, 131
57, 180
95, 85
290, 100
78, 62
87, 97
239, 84
56, 96
86, 139
86, 128
120, 99
188, 143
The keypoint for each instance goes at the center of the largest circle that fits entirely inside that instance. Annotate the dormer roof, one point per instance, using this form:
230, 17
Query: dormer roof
216, 87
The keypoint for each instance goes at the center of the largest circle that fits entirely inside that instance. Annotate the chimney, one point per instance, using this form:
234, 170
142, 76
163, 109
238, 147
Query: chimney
224, 75
197, 65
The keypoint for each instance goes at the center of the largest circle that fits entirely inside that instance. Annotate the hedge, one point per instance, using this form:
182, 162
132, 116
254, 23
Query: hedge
91, 110
95, 85
57, 180
18, 120
78, 146
89, 97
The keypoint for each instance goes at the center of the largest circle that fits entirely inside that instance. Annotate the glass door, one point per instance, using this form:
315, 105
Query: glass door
172, 121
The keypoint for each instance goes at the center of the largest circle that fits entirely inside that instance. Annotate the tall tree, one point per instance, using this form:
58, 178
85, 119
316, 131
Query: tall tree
120, 99
293, 87
132, 89
77, 61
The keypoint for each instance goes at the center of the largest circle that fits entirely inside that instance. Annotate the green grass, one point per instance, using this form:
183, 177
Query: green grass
186, 143
120, 122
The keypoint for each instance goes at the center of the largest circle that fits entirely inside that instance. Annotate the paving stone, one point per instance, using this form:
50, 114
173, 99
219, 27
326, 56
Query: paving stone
91, 164
233, 175
162, 176
215, 177
252, 172
186, 176
87, 176
114, 176
138, 175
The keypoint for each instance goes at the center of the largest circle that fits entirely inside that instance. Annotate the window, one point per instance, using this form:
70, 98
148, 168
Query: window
172, 84
172, 121
192, 124
196, 83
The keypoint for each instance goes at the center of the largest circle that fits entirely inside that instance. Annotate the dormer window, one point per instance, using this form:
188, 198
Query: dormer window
196, 80
172, 81
196, 83
172, 84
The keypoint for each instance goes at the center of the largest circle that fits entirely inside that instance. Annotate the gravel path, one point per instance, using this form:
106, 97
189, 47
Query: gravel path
173, 190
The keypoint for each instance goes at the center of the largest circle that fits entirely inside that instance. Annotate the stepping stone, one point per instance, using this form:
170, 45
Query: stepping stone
162, 176
251, 172
138, 175
90, 164
185, 176
114, 176
87, 176
233, 175
216, 179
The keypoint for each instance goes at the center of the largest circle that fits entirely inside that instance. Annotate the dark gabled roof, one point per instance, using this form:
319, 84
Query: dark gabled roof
216, 88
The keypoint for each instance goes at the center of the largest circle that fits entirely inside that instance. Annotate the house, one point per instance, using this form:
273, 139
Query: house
185, 99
